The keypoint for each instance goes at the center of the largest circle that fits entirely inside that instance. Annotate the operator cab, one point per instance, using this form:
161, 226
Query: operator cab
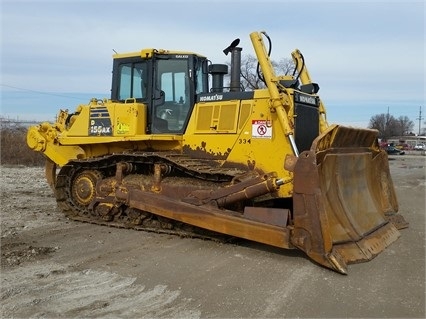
166, 82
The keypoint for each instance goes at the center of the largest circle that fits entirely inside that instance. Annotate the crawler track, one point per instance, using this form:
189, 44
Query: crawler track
75, 190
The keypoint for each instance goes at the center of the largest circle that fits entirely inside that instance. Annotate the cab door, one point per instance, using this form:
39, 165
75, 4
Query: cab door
173, 92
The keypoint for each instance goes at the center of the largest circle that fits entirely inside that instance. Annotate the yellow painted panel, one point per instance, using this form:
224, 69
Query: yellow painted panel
228, 117
217, 117
245, 111
107, 120
204, 117
130, 119
80, 123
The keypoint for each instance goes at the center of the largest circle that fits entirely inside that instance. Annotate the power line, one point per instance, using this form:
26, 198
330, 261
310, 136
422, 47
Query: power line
41, 92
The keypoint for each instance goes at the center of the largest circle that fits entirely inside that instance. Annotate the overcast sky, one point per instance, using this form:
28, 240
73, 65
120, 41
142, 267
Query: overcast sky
367, 56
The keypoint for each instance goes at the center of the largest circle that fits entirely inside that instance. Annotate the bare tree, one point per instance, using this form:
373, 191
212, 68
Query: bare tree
249, 76
404, 125
285, 66
384, 123
388, 125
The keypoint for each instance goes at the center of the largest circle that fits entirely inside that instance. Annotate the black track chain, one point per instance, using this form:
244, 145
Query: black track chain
205, 170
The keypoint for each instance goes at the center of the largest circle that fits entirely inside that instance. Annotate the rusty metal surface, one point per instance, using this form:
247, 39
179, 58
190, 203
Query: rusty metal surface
385, 190
397, 220
342, 195
311, 231
210, 218
350, 192
200, 166
272, 216
119, 192
234, 191
290, 162
345, 138
369, 246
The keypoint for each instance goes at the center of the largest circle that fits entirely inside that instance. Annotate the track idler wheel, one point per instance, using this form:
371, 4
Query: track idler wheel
83, 188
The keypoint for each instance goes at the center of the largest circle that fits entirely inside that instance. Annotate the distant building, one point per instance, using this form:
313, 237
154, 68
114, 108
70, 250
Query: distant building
408, 141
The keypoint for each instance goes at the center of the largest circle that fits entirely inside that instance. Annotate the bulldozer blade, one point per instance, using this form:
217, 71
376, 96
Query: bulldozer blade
208, 217
343, 192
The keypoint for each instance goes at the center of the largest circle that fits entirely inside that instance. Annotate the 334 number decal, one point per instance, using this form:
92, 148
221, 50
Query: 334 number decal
244, 141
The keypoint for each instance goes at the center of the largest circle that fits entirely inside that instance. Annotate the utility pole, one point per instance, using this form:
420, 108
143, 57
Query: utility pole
420, 118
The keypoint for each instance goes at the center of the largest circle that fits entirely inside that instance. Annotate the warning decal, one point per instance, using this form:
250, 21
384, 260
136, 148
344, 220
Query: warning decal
261, 129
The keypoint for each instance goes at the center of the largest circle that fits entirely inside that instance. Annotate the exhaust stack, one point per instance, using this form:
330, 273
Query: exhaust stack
235, 65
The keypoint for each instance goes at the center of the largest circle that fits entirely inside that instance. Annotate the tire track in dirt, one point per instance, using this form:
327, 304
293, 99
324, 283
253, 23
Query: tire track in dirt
32, 292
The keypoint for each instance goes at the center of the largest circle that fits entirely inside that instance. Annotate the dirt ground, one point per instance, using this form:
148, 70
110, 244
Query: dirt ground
55, 268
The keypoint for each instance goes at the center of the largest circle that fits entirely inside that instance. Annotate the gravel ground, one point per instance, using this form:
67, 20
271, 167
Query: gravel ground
55, 268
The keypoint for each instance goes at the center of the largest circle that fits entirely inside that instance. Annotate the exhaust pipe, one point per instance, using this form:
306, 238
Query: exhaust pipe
236, 70
235, 65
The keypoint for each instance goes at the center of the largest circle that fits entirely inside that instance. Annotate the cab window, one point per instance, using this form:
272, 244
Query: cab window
133, 81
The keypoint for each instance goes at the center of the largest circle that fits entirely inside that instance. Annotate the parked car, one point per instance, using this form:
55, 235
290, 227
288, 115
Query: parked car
391, 150
419, 147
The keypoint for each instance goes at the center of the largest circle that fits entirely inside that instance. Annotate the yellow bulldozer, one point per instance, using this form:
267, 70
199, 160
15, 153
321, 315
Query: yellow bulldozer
175, 150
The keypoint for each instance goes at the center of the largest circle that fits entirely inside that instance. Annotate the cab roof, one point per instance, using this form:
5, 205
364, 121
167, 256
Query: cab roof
148, 53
